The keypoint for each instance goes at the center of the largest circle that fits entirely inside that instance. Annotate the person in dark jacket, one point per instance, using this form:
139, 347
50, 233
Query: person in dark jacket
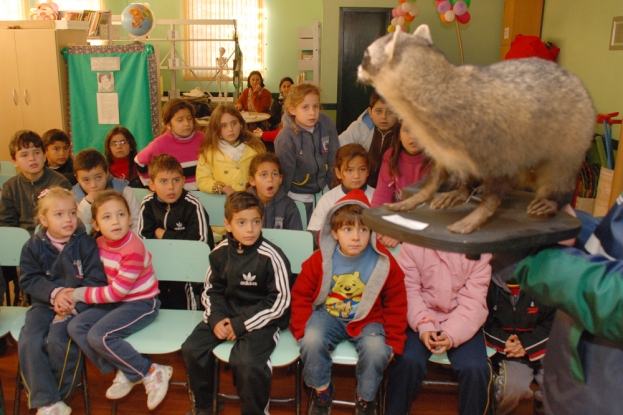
518, 328
265, 183
171, 212
57, 148
247, 298
60, 257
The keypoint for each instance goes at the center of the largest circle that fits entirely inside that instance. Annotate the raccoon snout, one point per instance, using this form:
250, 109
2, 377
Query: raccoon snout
366, 59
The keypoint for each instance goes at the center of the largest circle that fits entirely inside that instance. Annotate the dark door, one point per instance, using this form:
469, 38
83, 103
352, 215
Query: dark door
359, 27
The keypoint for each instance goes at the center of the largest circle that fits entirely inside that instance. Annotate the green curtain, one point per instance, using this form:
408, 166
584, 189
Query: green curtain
135, 83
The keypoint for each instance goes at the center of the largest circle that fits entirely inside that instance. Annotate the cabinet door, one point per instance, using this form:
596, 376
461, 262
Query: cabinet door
10, 98
37, 62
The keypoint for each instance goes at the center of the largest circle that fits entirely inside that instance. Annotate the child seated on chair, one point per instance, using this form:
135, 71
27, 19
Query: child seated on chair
59, 257
518, 328
247, 298
57, 147
91, 170
447, 295
127, 304
351, 172
351, 289
172, 212
265, 183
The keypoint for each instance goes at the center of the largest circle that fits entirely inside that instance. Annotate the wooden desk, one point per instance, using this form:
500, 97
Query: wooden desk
249, 117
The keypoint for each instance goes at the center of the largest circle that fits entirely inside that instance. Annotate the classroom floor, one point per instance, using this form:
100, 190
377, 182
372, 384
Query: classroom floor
432, 400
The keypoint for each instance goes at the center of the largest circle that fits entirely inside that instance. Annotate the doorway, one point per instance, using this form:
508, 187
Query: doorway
359, 27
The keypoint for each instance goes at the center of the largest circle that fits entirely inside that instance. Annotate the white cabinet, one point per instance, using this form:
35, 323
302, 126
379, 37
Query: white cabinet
33, 78
309, 40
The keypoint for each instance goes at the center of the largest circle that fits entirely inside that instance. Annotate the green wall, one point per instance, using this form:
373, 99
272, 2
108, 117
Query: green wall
582, 31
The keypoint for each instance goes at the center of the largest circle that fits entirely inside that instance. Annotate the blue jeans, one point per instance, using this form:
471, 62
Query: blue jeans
469, 361
322, 334
100, 330
50, 363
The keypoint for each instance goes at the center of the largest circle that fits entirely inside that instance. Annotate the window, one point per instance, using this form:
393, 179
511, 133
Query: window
249, 16
13, 10
79, 4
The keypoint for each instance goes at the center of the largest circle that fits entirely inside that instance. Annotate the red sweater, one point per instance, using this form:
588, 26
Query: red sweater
389, 306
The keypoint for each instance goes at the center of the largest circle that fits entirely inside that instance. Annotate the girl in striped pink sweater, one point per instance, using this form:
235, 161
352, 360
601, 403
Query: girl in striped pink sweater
127, 304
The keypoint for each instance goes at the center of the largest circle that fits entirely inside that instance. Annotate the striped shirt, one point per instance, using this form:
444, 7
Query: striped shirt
127, 265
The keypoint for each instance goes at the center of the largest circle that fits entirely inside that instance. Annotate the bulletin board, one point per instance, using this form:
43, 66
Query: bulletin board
109, 86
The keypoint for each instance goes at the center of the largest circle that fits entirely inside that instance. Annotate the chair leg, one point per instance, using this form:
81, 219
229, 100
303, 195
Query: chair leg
113, 409
297, 386
217, 373
85, 390
2, 407
18, 389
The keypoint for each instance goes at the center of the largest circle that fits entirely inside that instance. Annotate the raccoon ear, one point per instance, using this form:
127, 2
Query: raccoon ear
423, 31
391, 45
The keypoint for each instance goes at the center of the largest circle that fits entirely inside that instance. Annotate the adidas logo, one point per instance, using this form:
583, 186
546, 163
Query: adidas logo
248, 279
179, 226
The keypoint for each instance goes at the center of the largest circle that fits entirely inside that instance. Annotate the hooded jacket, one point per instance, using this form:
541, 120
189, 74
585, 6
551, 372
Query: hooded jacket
281, 212
446, 291
186, 218
584, 363
522, 315
250, 285
384, 299
43, 268
307, 158
18, 203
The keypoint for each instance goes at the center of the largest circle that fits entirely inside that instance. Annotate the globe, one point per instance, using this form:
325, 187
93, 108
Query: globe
137, 20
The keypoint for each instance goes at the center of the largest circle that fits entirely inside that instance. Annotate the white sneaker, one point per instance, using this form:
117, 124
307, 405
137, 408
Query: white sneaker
58, 408
157, 384
120, 387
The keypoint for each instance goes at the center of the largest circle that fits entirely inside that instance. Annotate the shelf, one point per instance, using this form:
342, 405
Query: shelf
71, 24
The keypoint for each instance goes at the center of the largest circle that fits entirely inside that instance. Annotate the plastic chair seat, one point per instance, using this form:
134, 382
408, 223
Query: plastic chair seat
167, 332
8, 316
285, 354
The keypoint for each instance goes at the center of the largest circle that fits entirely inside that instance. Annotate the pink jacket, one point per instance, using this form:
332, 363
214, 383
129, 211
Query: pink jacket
446, 292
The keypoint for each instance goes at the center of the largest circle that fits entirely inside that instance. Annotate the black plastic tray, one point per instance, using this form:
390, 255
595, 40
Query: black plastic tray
510, 228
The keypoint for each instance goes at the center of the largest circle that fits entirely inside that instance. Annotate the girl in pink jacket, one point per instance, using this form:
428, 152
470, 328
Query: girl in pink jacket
447, 307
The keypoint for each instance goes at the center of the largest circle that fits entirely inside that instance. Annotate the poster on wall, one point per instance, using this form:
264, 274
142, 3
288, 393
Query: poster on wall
109, 86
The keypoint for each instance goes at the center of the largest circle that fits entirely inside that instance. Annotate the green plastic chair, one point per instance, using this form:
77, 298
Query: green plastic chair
302, 212
7, 168
4, 178
12, 241
214, 205
285, 354
297, 245
140, 193
173, 260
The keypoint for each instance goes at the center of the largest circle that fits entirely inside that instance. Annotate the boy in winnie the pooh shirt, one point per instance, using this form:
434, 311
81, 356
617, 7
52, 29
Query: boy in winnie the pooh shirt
350, 289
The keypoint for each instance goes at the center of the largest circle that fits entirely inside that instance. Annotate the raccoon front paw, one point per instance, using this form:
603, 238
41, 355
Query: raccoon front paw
408, 204
465, 225
448, 199
542, 208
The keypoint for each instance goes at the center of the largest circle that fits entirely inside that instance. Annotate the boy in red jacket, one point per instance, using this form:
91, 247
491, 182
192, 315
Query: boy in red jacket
350, 289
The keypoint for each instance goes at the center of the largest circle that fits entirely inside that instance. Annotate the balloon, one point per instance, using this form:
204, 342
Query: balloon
464, 18
443, 18
414, 11
406, 7
404, 29
390, 28
394, 13
408, 17
459, 8
452, 2
394, 21
438, 1
449, 15
400, 12
401, 21
402, 1
444, 6
467, 2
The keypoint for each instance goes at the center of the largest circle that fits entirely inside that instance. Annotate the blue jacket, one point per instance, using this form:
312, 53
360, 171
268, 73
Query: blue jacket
112, 183
43, 268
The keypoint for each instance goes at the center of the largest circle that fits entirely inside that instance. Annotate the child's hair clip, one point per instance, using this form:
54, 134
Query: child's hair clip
43, 193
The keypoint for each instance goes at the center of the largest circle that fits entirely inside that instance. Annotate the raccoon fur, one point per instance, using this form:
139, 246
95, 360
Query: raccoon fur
523, 123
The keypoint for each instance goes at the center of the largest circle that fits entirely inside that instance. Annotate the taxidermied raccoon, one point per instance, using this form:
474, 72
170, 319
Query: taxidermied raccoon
523, 123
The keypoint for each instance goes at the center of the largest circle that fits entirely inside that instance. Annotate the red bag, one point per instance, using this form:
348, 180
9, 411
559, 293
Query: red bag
532, 46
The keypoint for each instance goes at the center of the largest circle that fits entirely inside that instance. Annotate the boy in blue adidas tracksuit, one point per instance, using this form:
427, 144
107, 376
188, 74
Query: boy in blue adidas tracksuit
247, 299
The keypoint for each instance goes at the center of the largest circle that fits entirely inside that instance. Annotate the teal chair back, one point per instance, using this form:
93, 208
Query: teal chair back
7, 168
297, 245
4, 178
395, 250
214, 205
179, 260
12, 241
140, 193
